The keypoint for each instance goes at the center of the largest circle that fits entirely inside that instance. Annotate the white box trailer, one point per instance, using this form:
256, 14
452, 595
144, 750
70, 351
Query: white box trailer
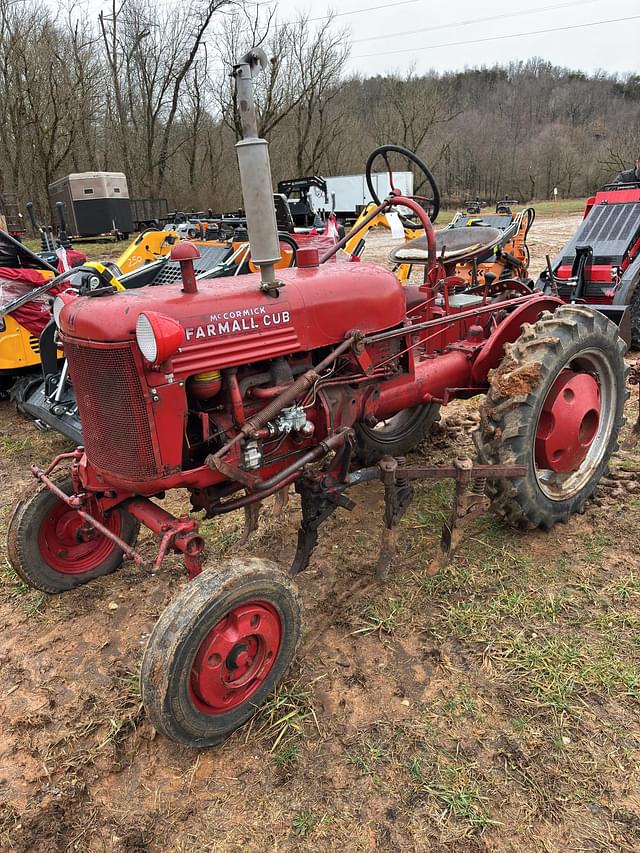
348, 194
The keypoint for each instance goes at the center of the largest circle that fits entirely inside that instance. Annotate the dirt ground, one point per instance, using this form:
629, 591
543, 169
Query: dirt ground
493, 707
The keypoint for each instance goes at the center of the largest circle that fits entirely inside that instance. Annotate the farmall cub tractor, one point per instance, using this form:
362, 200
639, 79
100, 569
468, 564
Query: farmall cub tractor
322, 376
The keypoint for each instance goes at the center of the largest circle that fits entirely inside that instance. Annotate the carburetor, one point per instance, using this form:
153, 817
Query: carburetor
291, 419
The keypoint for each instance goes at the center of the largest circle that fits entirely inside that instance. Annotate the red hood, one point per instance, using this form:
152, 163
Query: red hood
230, 321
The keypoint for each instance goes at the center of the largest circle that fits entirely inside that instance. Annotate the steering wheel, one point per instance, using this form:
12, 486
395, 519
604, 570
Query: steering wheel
288, 241
431, 203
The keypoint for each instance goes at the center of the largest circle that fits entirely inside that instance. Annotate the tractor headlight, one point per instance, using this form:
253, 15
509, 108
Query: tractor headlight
146, 339
158, 337
59, 302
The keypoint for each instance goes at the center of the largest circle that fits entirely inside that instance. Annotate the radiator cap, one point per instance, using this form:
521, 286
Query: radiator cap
308, 257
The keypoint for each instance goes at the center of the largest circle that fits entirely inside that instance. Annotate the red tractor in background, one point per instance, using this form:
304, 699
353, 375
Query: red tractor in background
322, 377
600, 265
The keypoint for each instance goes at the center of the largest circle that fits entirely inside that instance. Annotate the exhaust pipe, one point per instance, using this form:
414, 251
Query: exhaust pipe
255, 175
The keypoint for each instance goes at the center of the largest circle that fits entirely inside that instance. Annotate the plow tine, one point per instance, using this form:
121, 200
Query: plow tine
281, 499
469, 501
251, 521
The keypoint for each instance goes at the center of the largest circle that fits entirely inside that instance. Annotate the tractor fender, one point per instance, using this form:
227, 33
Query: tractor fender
628, 284
508, 331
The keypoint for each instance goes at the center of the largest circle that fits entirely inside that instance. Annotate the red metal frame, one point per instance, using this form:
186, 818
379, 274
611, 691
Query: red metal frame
377, 361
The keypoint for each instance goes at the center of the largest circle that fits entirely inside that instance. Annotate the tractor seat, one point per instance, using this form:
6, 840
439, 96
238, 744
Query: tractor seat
452, 244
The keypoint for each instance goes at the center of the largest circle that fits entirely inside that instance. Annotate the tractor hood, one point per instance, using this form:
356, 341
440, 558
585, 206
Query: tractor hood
230, 321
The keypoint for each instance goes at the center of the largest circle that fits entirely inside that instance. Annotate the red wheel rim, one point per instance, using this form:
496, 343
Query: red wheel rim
568, 422
235, 657
69, 545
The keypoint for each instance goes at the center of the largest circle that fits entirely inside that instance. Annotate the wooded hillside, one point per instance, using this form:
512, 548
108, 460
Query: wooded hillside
145, 89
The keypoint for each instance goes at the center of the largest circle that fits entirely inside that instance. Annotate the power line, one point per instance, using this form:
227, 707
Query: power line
499, 38
500, 17
369, 9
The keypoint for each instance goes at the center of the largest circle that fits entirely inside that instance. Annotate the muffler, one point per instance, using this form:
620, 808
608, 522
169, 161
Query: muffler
255, 174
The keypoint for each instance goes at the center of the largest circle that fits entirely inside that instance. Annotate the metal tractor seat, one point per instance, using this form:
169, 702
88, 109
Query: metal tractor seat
609, 229
452, 245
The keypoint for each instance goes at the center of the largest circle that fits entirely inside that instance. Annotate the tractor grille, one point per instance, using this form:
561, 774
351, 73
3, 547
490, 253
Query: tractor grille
610, 229
210, 257
34, 343
113, 413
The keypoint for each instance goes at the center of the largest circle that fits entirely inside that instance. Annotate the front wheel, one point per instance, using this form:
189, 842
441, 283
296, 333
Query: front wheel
52, 548
556, 406
218, 650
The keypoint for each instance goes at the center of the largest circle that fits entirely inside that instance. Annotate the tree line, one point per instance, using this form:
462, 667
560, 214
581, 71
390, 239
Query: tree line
145, 89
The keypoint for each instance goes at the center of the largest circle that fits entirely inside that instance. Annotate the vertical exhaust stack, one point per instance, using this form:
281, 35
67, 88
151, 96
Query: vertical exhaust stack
255, 175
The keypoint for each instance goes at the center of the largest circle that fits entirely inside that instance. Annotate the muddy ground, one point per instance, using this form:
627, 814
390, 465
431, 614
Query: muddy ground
493, 707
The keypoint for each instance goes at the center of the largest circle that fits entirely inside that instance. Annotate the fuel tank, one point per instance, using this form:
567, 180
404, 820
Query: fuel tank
230, 321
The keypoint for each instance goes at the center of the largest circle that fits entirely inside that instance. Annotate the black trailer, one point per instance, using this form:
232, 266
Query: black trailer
149, 212
94, 203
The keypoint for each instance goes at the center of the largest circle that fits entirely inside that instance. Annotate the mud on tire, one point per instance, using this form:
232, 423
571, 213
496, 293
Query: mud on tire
212, 657
575, 338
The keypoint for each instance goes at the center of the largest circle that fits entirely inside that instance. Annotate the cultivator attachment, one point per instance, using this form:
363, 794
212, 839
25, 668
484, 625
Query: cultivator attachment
322, 495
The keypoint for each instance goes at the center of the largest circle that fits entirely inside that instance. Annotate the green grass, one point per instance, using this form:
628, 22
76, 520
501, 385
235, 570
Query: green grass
459, 704
380, 616
12, 586
456, 792
10, 445
95, 250
559, 671
367, 756
285, 719
543, 207
305, 822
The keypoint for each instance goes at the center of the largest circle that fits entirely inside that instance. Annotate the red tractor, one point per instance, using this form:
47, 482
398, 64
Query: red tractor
600, 265
323, 377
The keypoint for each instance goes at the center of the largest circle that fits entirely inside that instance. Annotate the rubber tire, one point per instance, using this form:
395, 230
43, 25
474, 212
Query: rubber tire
25, 555
23, 388
371, 449
634, 311
508, 423
181, 629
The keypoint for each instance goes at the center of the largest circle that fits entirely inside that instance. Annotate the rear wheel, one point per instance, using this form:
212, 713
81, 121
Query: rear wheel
396, 435
555, 405
218, 650
52, 549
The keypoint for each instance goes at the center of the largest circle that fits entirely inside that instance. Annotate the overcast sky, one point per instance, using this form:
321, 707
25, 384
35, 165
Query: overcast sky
399, 34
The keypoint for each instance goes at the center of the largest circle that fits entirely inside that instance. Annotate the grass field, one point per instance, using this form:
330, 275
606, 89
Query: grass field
545, 208
493, 707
